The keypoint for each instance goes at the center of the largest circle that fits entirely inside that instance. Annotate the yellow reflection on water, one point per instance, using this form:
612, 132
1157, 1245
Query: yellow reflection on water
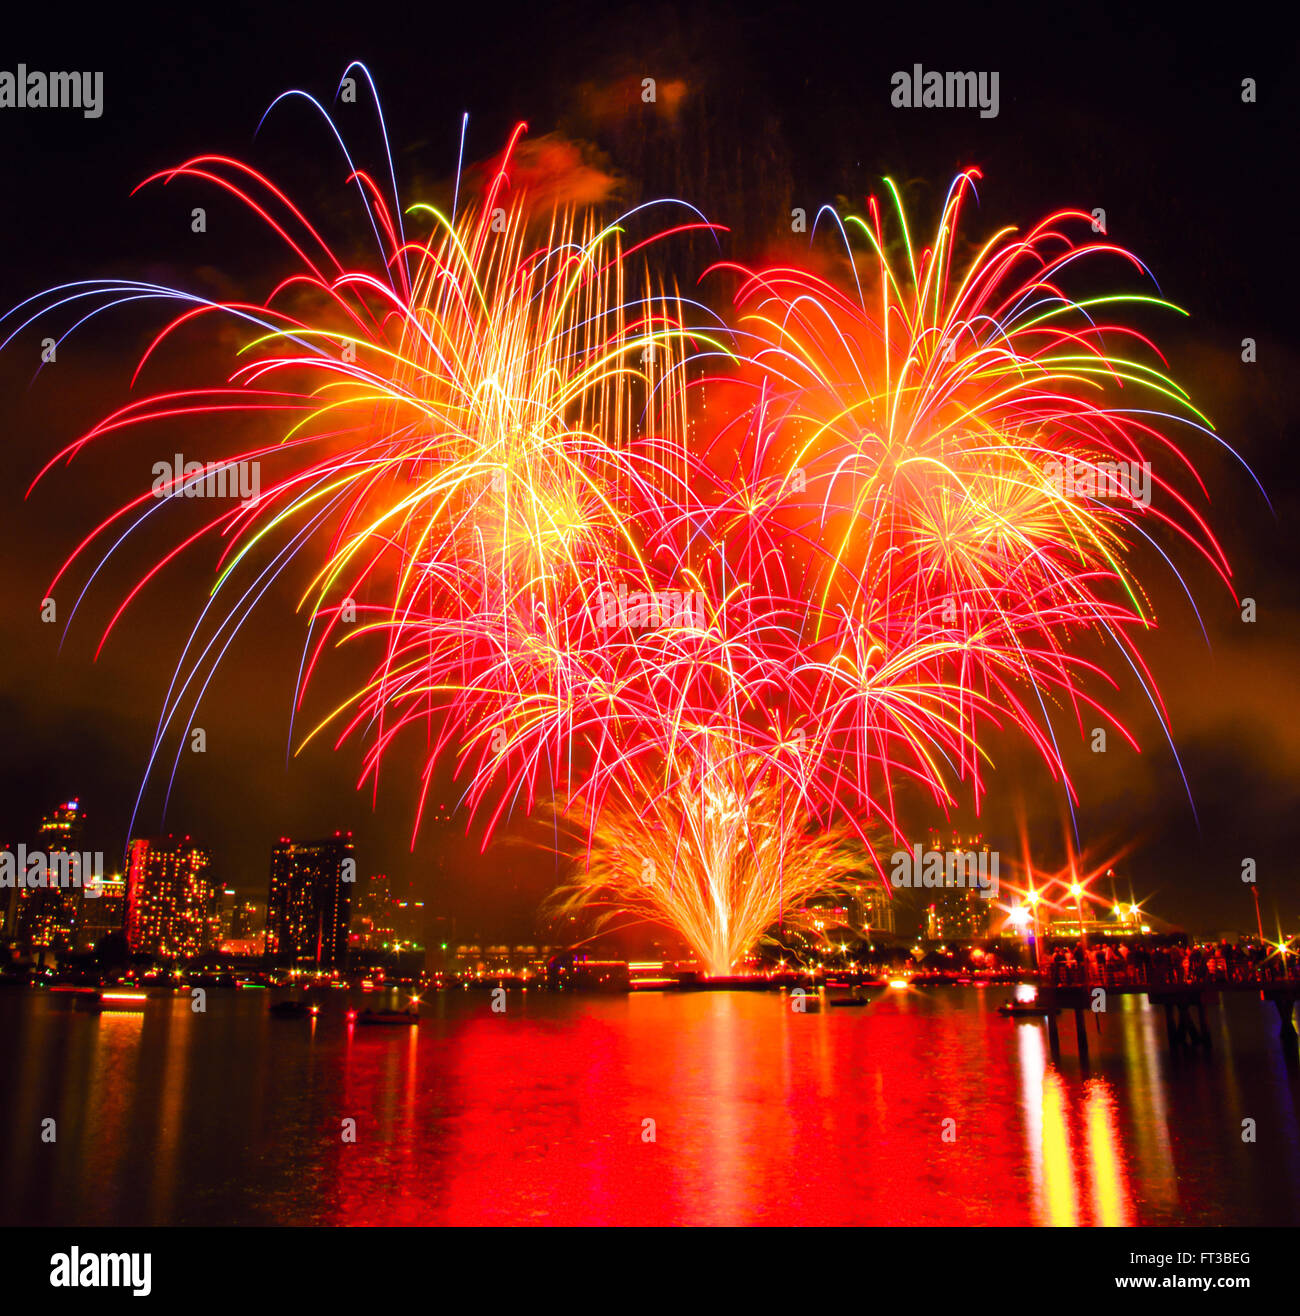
1059, 1195
1111, 1201
1072, 1138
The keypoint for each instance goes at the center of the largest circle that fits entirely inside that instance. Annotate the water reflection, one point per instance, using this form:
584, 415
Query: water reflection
704, 1108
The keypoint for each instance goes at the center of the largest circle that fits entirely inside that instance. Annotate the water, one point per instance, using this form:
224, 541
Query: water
761, 1115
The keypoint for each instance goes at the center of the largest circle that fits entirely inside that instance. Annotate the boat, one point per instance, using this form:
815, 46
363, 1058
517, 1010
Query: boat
294, 1010
849, 1001
110, 1002
398, 1017
1023, 1010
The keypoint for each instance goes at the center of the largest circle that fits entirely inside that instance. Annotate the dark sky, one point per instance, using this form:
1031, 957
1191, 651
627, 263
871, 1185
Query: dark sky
1141, 116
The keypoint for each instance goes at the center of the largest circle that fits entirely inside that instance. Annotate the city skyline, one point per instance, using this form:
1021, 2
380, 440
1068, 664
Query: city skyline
66, 918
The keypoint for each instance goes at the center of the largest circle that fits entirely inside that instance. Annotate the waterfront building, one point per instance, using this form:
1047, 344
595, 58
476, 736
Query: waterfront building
102, 914
171, 899
45, 917
309, 904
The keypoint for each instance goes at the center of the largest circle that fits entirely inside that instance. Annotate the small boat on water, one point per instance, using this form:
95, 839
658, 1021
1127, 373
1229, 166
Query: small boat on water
398, 1017
112, 1002
849, 1001
294, 1010
1023, 1010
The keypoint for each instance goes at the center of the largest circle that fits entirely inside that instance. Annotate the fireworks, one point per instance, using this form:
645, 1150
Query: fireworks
720, 855
716, 587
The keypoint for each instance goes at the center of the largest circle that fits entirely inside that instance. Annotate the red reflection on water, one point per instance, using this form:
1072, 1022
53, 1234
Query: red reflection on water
710, 1108
923, 1108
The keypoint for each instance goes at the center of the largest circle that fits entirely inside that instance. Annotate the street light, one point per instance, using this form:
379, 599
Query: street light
1031, 899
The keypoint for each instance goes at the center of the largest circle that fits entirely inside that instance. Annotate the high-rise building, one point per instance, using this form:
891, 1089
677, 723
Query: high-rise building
375, 923
102, 914
860, 906
958, 910
875, 907
46, 916
957, 914
408, 912
243, 918
310, 901
216, 915
170, 897
827, 914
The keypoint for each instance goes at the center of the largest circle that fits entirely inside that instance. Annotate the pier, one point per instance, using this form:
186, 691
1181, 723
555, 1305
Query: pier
1182, 993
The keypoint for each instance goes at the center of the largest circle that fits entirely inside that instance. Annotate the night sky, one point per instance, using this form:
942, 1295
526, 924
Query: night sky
1141, 116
